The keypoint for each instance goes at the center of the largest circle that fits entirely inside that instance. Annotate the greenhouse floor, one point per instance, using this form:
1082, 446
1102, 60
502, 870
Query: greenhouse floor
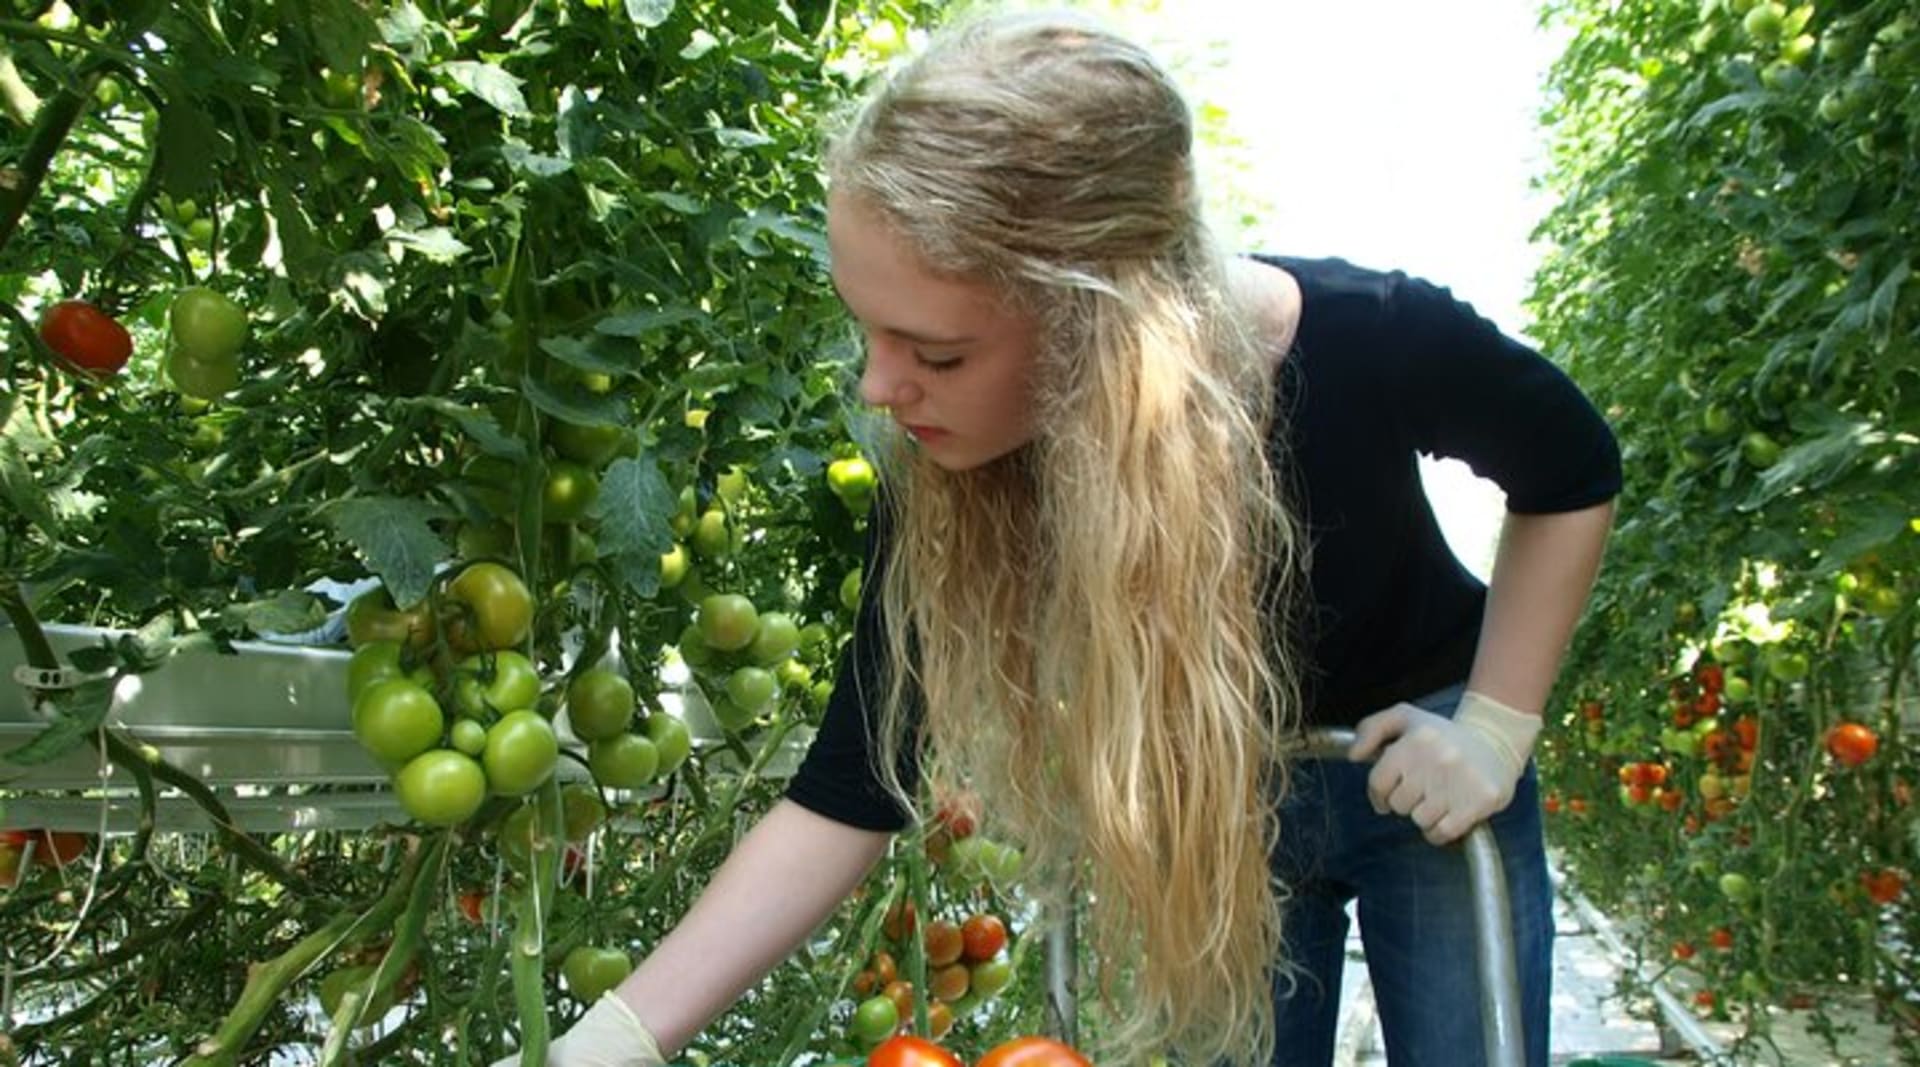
1593, 1021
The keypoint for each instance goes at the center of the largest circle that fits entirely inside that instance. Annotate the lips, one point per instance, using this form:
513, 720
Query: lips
924, 434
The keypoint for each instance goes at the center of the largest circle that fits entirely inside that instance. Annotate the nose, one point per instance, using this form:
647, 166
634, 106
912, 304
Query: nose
887, 380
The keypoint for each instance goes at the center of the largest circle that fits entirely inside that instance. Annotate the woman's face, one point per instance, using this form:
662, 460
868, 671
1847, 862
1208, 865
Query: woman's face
947, 359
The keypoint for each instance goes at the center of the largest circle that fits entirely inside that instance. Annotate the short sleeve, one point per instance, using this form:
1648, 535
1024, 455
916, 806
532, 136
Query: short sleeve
1467, 391
839, 777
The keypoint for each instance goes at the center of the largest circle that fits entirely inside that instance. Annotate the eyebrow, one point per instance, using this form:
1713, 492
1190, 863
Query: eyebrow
904, 334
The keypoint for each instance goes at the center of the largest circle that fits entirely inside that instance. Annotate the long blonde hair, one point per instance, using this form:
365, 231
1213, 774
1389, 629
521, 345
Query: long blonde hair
1093, 626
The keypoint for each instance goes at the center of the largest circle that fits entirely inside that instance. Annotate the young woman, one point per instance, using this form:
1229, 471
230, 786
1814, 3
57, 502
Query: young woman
1151, 508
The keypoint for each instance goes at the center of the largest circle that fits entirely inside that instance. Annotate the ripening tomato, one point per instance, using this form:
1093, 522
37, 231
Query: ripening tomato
905, 1050
1033, 1052
1852, 744
1885, 885
86, 337
727, 621
497, 609
983, 937
1683, 950
944, 943
1721, 938
473, 905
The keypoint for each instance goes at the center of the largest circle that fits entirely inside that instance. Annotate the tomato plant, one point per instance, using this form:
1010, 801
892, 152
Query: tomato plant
86, 337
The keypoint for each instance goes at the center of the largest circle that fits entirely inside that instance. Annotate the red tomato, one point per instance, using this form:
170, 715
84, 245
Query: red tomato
59, 848
472, 904
1722, 938
1748, 730
905, 1050
1712, 677
982, 937
1852, 744
1704, 1000
1885, 885
1683, 950
944, 943
86, 337
1033, 1052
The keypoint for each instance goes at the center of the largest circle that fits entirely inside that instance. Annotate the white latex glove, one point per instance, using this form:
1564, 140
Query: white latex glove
608, 1035
1448, 775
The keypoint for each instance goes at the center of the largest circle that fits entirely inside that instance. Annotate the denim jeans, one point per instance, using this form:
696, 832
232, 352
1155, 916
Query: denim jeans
1416, 920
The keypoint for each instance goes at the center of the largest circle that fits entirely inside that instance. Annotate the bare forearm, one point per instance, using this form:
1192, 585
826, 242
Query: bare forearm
783, 879
1541, 577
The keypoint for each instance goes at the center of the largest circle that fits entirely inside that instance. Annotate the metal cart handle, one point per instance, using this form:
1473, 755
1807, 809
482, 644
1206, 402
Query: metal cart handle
1493, 928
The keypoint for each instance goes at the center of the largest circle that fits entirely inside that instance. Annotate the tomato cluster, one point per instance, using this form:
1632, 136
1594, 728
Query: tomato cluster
205, 332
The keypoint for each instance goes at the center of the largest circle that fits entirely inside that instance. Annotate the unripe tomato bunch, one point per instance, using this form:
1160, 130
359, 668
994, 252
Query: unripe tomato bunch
744, 658
443, 696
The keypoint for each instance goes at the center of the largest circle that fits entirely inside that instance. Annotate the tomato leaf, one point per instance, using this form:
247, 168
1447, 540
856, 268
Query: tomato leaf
289, 611
1817, 460
635, 505
649, 13
489, 83
477, 425
81, 711
574, 405
393, 535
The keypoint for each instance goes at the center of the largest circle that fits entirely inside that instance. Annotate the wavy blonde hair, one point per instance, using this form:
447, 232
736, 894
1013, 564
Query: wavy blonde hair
1092, 625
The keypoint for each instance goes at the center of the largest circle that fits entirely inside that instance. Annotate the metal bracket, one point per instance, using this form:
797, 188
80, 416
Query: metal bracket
48, 680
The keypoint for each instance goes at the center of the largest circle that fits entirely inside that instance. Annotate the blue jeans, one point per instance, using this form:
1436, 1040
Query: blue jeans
1416, 920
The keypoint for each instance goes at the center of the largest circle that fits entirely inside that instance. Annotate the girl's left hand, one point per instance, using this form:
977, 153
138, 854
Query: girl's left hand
1448, 775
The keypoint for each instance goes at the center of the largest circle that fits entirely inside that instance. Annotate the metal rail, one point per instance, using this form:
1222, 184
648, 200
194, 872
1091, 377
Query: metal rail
1501, 1029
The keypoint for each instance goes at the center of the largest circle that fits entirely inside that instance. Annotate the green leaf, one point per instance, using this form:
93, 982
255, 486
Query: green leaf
534, 164
575, 405
1885, 297
489, 83
615, 356
635, 505
1835, 447
478, 425
734, 137
437, 243
1734, 102
289, 611
81, 711
417, 149
394, 537
679, 202
342, 31
191, 146
649, 13
646, 323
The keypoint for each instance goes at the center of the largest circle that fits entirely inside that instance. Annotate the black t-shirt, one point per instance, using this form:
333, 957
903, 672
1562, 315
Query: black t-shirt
1383, 367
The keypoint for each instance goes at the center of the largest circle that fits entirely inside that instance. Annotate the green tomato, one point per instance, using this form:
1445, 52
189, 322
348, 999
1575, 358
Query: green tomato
728, 622
686, 515
776, 639
673, 566
583, 809
875, 1020
672, 742
991, 977
441, 787
1759, 450
694, 650
793, 674
208, 378
1787, 666
375, 661
204, 325
590, 443
731, 486
599, 705
1736, 887
498, 609
515, 839
628, 761
712, 538
520, 754
852, 480
850, 590
396, 720
493, 538
752, 689
731, 716
469, 736
337, 984
570, 492
488, 683
591, 972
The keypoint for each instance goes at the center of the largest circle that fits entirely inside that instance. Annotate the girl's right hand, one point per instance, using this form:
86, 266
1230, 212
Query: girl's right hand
608, 1035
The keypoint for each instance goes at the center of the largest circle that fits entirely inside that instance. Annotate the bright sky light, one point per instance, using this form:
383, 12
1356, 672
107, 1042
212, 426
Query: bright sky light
1393, 133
